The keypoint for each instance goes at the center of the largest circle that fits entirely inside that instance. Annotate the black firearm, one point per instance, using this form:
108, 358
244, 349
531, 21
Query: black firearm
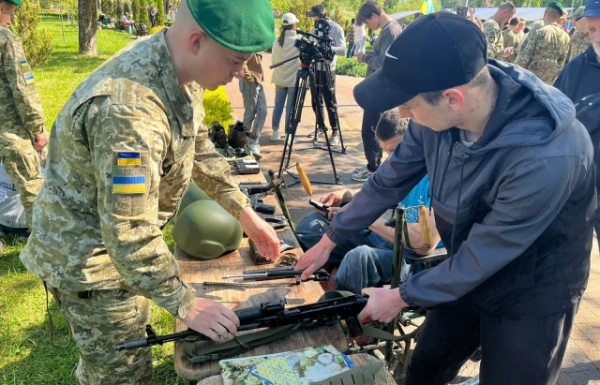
274, 314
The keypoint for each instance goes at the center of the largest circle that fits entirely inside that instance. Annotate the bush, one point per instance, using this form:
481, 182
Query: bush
350, 67
37, 44
218, 108
140, 12
160, 13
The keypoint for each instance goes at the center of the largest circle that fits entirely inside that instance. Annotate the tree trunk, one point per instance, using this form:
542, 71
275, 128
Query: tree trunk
87, 27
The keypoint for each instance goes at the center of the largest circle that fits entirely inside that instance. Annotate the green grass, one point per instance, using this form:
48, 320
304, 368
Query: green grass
350, 67
26, 356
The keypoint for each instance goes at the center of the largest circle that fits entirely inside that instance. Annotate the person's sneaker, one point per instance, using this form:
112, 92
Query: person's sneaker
335, 139
359, 169
255, 150
362, 176
275, 136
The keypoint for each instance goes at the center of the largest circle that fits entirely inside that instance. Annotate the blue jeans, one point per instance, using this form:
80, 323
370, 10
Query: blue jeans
312, 227
255, 110
281, 94
368, 267
350, 51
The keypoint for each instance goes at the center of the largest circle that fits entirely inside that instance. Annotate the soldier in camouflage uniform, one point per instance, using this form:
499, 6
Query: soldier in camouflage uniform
580, 41
492, 29
122, 152
22, 130
512, 38
545, 49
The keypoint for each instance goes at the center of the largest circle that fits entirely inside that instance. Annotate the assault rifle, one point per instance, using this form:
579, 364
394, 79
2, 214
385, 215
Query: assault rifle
274, 314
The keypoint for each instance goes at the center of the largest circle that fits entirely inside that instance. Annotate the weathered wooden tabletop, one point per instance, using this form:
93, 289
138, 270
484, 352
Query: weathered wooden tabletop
196, 272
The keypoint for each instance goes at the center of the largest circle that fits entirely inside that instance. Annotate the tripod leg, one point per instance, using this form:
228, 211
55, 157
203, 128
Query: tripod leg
331, 87
294, 119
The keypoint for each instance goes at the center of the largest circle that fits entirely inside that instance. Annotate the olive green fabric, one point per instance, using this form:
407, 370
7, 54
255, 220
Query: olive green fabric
243, 26
193, 194
205, 230
557, 5
367, 374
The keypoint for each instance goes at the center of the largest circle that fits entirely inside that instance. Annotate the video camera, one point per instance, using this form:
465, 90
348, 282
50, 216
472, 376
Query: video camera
317, 46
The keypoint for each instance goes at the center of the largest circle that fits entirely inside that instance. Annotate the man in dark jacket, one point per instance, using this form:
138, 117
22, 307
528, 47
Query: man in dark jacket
580, 81
512, 185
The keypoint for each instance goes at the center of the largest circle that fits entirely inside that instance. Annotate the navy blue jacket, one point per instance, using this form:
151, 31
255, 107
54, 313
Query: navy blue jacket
515, 209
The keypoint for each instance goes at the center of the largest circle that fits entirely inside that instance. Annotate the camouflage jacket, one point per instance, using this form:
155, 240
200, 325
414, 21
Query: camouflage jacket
494, 39
20, 106
122, 152
579, 43
511, 39
544, 52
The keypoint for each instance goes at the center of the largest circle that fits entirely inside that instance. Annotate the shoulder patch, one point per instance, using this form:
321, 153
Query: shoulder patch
129, 180
129, 159
492, 39
27, 74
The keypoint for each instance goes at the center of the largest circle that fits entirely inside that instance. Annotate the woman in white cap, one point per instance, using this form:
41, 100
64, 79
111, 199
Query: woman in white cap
284, 76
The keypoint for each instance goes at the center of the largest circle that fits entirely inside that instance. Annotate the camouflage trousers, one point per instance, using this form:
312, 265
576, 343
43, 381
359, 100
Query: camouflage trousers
99, 320
22, 164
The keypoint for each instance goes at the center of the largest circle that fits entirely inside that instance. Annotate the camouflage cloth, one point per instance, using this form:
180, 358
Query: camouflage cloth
510, 40
98, 323
22, 118
122, 152
579, 43
494, 39
544, 52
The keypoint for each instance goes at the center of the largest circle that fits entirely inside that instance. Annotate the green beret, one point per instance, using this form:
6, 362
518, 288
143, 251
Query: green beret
243, 26
18, 3
557, 5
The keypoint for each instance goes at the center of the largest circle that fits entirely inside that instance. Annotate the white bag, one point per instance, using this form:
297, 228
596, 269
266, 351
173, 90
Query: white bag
12, 212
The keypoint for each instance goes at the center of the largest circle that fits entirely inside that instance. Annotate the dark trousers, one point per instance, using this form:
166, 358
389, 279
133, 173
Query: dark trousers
350, 52
515, 352
327, 98
370, 143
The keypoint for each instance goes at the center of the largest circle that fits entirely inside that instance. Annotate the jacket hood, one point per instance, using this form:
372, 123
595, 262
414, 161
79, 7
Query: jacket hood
545, 110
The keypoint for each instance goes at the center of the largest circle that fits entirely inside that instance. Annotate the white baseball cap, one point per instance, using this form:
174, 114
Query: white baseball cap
289, 19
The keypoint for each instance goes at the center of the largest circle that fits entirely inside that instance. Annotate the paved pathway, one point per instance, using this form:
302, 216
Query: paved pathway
581, 365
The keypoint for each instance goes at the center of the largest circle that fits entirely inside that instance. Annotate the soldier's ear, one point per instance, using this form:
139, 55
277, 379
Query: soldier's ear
196, 39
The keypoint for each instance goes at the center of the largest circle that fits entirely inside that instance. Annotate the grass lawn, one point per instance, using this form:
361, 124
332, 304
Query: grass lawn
26, 356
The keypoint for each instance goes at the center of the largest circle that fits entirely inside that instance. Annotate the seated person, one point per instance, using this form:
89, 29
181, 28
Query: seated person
389, 133
125, 21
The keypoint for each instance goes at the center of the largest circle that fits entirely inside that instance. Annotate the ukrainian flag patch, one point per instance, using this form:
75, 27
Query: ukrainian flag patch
129, 180
24, 63
129, 159
28, 79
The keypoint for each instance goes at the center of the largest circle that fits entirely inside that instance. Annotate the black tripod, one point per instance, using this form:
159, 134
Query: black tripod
310, 55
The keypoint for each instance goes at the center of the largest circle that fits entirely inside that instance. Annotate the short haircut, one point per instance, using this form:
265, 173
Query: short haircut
369, 9
318, 9
555, 14
522, 20
433, 98
514, 21
391, 125
508, 6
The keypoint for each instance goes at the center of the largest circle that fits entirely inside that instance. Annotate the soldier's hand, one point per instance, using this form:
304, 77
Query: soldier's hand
315, 257
40, 141
508, 51
212, 319
384, 305
263, 235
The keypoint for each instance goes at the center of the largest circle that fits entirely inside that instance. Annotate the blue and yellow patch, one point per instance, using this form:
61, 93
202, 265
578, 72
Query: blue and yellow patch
129, 159
129, 184
29, 79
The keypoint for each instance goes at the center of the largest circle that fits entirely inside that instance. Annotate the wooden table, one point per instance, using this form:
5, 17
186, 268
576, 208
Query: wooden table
357, 359
195, 272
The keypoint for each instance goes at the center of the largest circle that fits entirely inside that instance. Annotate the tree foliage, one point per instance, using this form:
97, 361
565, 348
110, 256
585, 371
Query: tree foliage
36, 43
160, 12
140, 12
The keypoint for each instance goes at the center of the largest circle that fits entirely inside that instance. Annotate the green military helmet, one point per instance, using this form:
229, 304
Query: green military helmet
205, 230
193, 194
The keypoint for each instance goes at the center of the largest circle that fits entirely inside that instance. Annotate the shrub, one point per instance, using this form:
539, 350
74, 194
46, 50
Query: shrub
37, 44
140, 12
126, 8
218, 108
350, 67
160, 14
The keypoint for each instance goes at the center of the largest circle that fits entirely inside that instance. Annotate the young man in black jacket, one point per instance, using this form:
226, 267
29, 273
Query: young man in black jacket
512, 185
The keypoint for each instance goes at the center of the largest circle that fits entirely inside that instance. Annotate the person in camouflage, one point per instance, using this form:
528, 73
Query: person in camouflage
122, 152
545, 49
492, 29
21, 114
580, 41
512, 37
